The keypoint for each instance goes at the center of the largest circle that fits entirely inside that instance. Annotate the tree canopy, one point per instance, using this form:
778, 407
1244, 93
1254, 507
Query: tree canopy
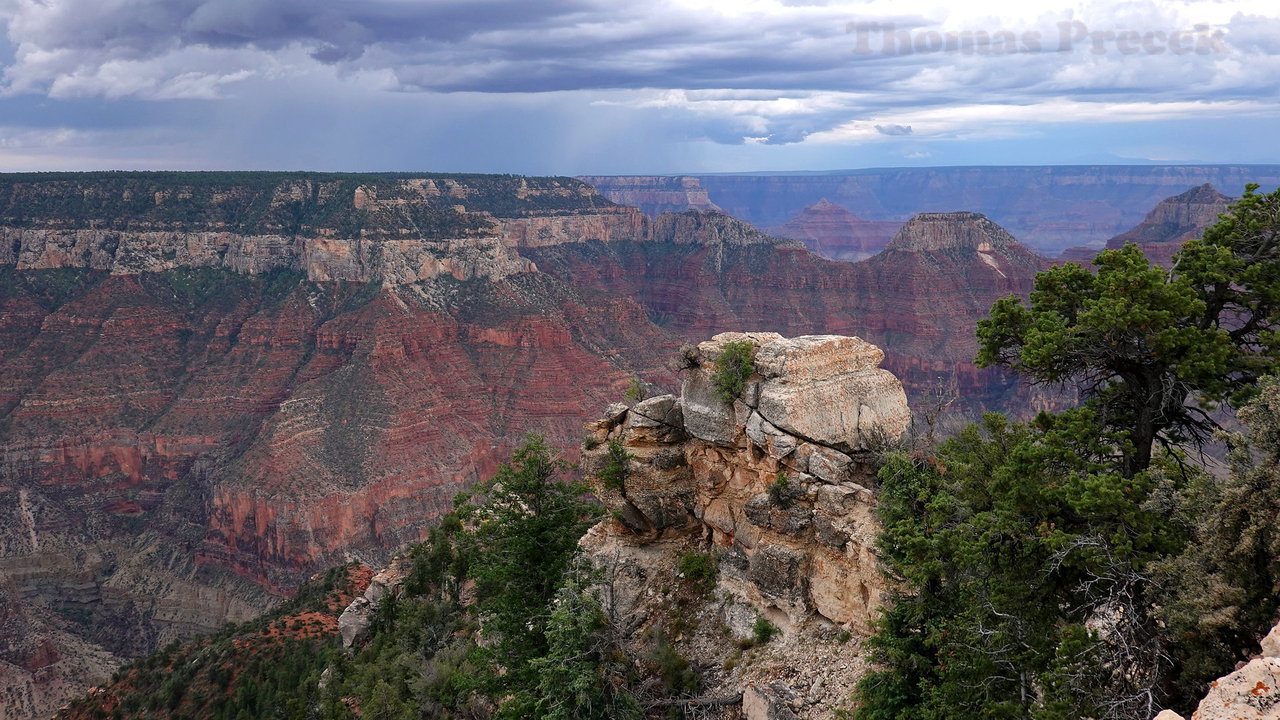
1154, 351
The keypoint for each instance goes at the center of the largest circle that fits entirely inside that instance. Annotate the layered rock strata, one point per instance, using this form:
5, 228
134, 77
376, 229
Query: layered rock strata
776, 480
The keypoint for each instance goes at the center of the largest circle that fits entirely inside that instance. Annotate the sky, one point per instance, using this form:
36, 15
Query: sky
572, 87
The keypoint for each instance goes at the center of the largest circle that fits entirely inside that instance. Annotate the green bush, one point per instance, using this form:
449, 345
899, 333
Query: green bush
635, 392
616, 461
733, 367
699, 568
678, 677
763, 631
781, 492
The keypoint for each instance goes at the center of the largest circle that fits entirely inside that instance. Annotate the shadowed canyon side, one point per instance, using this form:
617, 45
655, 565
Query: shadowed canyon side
920, 299
1050, 208
211, 383
837, 234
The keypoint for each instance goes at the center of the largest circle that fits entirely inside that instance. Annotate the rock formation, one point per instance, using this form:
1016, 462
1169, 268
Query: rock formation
837, 234
776, 484
1049, 208
1174, 221
811, 410
1161, 233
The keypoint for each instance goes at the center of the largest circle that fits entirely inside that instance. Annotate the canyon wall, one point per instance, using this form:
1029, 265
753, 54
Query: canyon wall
212, 385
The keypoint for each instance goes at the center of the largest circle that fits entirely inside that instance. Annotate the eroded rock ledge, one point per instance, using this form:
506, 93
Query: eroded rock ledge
703, 467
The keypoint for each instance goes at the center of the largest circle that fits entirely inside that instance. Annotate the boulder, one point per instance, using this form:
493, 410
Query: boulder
769, 438
771, 701
827, 389
660, 410
817, 357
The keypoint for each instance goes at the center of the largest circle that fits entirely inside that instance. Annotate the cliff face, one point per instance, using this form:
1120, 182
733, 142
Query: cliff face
387, 229
837, 234
776, 485
1049, 208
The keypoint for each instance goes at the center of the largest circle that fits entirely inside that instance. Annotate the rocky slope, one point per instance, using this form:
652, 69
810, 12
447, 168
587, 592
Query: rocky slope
1049, 208
837, 234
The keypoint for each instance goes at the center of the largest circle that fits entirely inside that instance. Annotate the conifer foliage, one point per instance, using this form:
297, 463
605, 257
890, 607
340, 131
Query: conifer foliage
1154, 351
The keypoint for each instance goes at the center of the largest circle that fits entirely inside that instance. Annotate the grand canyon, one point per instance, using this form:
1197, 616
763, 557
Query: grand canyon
213, 385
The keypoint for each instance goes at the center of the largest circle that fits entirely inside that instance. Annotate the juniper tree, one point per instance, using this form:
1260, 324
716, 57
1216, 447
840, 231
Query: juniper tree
1154, 351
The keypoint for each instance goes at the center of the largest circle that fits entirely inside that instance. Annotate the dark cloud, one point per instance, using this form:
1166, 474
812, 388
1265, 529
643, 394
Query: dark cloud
759, 74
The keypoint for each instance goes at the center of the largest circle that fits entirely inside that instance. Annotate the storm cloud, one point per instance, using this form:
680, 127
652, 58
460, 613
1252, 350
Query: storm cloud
747, 73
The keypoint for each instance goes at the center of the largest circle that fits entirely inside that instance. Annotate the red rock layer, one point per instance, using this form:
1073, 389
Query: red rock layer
270, 435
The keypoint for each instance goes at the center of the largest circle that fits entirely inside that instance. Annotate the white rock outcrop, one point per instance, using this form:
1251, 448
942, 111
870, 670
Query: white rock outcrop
776, 479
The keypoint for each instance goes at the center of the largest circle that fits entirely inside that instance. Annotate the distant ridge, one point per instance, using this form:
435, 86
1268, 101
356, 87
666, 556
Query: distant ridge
1178, 218
1049, 208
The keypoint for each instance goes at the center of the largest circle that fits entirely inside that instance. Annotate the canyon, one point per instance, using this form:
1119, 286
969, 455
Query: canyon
215, 384
1050, 208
